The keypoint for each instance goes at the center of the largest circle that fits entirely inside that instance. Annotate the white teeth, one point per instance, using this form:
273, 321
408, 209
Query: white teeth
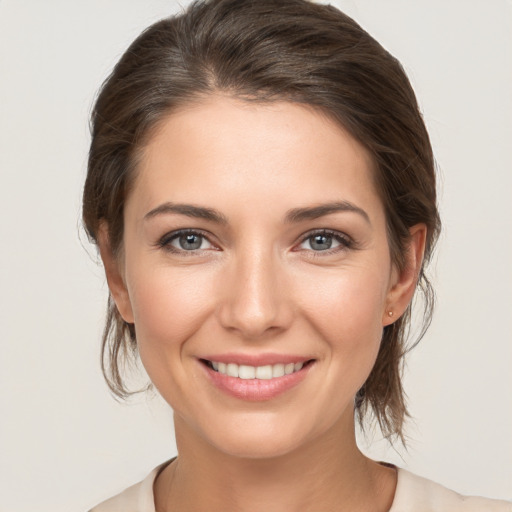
278, 370
256, 372
232, 370
264, 372
246, 372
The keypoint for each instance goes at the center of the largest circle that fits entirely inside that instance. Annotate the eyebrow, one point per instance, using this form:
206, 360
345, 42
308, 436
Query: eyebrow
197, 212
315, 212
292, 216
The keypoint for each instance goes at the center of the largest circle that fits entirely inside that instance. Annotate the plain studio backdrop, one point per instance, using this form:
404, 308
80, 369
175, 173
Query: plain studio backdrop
65, 444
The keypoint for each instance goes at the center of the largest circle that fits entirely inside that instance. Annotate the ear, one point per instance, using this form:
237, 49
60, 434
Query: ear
403, 283
115, 278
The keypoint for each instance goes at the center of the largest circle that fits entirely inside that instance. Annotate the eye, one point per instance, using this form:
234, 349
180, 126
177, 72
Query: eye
185, 241
330, 241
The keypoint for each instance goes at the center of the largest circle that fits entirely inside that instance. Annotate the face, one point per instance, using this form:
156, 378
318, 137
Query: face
257, 272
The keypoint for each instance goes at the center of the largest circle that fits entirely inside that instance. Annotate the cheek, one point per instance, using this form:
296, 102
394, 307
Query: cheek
169, 306
346, 307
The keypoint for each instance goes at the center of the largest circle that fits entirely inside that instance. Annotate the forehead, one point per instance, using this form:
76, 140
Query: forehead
246, 152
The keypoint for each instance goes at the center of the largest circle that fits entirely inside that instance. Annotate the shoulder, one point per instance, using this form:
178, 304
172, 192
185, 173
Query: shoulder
126, 501
137, 498
414, 493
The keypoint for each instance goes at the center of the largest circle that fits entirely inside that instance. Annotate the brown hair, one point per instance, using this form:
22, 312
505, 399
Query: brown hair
269, 50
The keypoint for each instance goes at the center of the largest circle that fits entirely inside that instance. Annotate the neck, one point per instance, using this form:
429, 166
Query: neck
329, 474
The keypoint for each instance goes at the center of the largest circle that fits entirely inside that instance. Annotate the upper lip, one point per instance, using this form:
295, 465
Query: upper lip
256, 359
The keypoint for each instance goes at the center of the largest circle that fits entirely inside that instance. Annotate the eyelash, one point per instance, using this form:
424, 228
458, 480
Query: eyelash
344, 241
165, 241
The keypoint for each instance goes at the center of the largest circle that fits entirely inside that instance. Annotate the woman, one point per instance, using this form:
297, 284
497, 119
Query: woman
261, 188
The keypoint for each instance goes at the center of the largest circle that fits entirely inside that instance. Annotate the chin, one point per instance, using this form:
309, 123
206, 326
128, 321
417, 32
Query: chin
258, 436
256, 446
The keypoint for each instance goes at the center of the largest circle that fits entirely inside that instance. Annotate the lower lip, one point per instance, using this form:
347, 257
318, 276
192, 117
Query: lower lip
256, 390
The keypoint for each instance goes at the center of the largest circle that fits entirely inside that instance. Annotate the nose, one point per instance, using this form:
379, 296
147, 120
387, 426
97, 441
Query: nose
255, 299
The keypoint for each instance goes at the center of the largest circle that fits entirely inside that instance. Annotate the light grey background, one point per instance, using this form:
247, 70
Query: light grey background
64, 443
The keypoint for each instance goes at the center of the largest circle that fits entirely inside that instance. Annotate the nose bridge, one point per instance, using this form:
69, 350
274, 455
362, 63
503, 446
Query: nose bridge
255, 301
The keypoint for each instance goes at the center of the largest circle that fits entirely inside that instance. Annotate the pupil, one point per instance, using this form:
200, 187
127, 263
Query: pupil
321, 242
190, 241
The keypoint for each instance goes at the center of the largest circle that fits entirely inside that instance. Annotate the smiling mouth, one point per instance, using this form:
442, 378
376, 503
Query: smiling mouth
246, 372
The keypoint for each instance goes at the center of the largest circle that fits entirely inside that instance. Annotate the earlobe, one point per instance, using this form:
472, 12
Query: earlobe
404, 281
115, 278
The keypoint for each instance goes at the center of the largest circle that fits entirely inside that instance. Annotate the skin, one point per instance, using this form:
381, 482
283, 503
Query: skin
257, 285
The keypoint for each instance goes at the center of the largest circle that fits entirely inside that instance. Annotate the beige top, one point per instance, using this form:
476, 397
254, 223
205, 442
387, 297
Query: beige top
413, 494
